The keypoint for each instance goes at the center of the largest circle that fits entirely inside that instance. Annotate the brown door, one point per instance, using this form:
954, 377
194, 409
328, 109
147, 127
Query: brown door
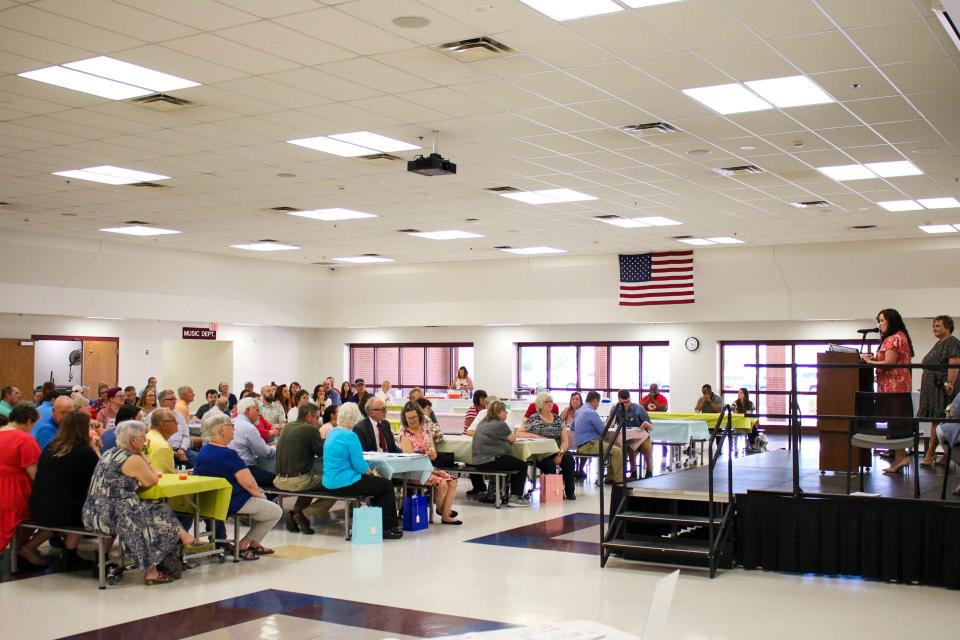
16, 366
99, 364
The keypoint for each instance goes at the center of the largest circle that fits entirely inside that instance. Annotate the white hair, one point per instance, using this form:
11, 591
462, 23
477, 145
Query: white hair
245, 404
349, 415
542, 399
212, 424
127, 431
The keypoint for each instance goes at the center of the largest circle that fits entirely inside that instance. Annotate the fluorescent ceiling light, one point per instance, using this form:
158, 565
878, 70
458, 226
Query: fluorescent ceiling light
561, 10
131, 74
894, 169
728, 98
533, 251
139, 230
86, 83
364, 259
548, 196
332, 214
847, 172
108, 174
103, 318
939, 203
725, 240
265, 246
335, 147
625, 223
938, 228
658, 221
503, 324
696, 241
900, 205
451, 234
792, 91
374, 141
636, 4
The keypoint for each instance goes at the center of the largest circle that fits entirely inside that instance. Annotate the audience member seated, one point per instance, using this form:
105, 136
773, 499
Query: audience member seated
9, 396
211, 395
332, 394
271, 410
346, 473
108, 437
544, 424
63, 478
185, 397
416, 439
46, 428
361, 396
632, 416
745, 405
48, 393
654, 400
319, 397
479, 400
374, 430
491, 451
426, 408
588, 429
532, 409
19, 454
301, 398
180, 442
415, 395
107, 416
384, 392
219, 459
158, 451
148, 402
568, 415
298, 446
224, 390
148, 531
248, 443
151, 382
130, 395
709, 402
283, 396
329, 420
100, 401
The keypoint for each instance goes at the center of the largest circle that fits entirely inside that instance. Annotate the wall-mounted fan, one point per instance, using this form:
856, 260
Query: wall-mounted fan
75, 358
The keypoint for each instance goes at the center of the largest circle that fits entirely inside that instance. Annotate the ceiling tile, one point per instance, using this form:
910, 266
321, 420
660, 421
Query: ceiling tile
855, 84
507, 95
336, 27
271, 9
818, 52
699, 24
560, 87
560, 118
752, 61
38, 48
180, 64
627, 35
856, 13
822, 116
892, 109
850, 136
119, 18
556, 45
205, 16
207, 46
923, 76
500, 15
897, 42
428, 64
683, 70
779, 18
446, 100
65, 30
615, 113
376, 75
284, 42
910, 131
510, 66
322, 84
441, 29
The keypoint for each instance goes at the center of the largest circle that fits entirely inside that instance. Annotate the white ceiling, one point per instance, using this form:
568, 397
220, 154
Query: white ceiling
545, 117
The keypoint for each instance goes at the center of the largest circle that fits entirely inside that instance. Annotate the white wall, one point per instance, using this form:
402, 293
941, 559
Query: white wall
200, 364
53, 356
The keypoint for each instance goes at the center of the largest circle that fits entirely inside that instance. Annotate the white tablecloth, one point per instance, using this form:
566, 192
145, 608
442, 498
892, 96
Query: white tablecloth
415, 467
679, 431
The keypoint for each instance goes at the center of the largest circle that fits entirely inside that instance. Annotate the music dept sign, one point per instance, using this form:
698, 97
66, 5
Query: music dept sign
199, 333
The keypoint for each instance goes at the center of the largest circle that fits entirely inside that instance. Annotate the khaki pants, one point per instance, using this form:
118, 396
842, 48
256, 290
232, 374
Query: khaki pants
305, 482
616, 456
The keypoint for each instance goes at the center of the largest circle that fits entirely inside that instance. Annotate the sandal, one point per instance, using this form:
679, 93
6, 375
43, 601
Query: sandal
248, 554
160, 579
261, 550
453, 514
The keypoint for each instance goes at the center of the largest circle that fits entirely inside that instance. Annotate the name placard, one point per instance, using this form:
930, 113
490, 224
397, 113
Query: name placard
199, 333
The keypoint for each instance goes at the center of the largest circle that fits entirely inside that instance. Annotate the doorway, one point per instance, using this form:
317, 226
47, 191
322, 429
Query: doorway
200, 364
73, 360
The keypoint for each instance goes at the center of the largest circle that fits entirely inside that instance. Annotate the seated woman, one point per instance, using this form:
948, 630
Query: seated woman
148, 530
416, 439
63, 477
217, 459
567, 415
19, 453
745, 405
491, 451
347, 474
329, 420
479, 404
429, 420
543, 424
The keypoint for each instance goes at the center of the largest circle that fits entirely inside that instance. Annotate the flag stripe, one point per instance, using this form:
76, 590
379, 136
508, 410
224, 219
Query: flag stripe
658, 278
644, 304
658, 287
661, 294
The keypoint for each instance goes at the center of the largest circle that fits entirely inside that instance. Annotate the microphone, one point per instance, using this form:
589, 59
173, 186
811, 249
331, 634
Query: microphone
864, 332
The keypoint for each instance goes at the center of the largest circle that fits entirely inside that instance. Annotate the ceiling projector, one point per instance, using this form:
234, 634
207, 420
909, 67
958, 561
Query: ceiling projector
432, 165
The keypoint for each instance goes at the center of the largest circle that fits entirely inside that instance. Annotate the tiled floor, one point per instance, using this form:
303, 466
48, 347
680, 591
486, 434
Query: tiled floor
513, 566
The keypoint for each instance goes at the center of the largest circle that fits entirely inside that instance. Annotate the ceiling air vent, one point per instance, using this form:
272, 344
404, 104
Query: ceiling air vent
502, 189
810, 204
681, 237
141, 222
475, 49
162, 102
325, 264
284, 209
381, 158
649, 129
506, 246
609, 216
409, 230
151, 185
863, 227
742, 170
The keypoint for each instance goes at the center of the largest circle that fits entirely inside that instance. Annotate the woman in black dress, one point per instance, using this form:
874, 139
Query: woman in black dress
937, 388
63, 478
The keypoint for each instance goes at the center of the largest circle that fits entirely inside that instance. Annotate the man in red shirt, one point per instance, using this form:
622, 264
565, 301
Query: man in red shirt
654, 401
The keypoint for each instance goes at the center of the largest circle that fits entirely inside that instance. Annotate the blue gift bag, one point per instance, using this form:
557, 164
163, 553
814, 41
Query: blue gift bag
367, 525
415, 513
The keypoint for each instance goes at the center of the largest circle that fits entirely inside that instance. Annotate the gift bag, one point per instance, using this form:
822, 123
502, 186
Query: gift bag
367, 525
551, 488
415, 513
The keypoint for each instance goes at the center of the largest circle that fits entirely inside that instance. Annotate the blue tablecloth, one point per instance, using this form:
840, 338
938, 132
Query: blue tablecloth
679, 431
415, 467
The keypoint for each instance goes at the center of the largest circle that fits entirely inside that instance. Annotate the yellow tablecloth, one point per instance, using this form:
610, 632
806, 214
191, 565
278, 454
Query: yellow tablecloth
740, 422
213, 494
462, 448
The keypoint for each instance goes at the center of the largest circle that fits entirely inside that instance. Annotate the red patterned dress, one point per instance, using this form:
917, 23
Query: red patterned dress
421, 444
18, 450
895, 380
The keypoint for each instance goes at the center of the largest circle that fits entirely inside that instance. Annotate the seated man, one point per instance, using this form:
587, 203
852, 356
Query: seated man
654, 400
180, 442
299, 445
212, 395
248, 443
709, 402
159, 453
361, 396
46, 428
588, 428
632, 416
374, 431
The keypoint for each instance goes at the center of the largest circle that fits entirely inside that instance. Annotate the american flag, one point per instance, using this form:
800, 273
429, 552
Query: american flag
663, 277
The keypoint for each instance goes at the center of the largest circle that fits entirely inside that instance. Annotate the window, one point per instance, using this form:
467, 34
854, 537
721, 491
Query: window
770, 388
432, 366
606, 367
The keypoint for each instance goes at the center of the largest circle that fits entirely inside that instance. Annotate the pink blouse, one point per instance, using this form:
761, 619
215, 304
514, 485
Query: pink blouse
895, 380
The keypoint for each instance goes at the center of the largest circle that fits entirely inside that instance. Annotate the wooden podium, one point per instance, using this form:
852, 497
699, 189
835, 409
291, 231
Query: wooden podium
836, 391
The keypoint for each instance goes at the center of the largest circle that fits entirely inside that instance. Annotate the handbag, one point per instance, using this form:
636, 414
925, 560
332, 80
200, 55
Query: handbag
415, 513
367, 525
444, 460
551, 488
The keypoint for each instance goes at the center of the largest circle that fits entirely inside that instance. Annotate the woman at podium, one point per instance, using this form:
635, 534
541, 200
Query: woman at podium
895, 348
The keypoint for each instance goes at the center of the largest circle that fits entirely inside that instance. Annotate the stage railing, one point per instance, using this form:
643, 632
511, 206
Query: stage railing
606, 535
721, 433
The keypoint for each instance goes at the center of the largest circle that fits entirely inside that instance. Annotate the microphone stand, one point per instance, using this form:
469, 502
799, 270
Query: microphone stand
863, 337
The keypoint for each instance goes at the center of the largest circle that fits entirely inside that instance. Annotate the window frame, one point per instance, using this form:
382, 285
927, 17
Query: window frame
602, 344
376, 382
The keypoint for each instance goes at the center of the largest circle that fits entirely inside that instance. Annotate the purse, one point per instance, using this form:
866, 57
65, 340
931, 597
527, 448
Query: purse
444, 460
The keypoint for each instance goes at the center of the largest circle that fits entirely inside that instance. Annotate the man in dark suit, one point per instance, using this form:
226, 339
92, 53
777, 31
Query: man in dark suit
361, 396
374, 430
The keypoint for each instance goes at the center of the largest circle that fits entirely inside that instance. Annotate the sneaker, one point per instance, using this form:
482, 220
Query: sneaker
518, 502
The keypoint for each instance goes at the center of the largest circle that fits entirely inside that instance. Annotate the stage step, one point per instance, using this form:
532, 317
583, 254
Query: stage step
667, 518
661, 547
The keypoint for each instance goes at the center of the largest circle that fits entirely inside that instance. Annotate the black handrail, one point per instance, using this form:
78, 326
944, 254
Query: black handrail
720, 433
604, 455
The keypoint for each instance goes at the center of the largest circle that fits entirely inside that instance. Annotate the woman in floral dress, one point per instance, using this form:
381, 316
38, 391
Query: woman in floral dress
416, 439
